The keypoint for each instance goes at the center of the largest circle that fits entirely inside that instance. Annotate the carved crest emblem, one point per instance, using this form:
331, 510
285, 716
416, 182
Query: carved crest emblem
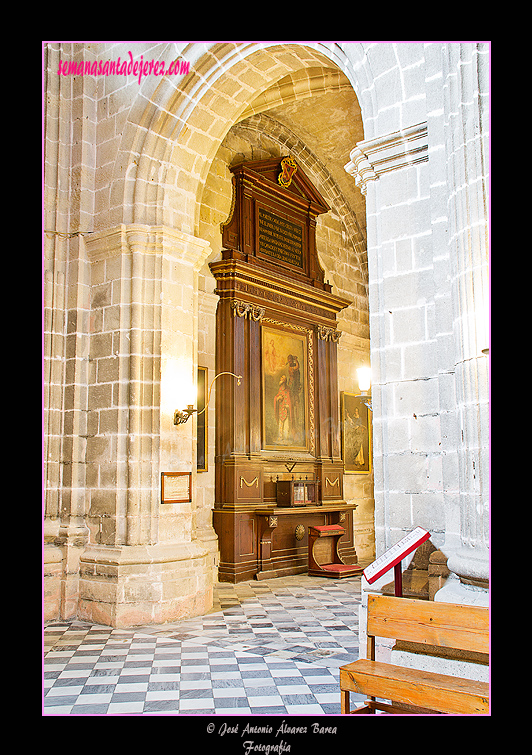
288, 169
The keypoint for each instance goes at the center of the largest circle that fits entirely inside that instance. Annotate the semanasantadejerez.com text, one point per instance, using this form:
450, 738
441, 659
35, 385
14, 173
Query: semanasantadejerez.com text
137, 68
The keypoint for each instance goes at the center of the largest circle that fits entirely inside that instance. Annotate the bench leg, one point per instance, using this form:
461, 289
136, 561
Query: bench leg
344, 701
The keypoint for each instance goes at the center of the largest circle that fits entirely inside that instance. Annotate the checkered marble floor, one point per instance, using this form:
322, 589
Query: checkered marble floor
266, 648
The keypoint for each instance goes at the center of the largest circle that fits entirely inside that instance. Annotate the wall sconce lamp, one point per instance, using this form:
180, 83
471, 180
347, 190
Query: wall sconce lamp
364, 384
181, 415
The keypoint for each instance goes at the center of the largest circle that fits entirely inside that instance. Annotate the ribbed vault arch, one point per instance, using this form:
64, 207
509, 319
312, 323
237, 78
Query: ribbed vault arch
173, 133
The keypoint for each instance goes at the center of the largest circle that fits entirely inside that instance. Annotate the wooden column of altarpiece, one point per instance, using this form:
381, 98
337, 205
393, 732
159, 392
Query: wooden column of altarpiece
276, 326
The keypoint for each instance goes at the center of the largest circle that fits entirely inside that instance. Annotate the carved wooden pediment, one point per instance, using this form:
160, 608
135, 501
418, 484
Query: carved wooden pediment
272, 224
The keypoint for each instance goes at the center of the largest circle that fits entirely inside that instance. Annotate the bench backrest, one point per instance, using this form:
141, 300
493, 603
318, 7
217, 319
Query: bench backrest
424, 621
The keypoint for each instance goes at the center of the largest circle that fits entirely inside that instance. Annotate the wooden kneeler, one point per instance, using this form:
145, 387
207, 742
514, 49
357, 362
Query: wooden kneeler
323, 557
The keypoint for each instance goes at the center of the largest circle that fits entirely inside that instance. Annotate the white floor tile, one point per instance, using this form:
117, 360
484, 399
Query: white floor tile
200, 703
129, 707
162, 694
265, 701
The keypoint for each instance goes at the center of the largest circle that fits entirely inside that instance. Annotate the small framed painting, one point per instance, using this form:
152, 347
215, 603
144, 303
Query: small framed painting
201, 422
356, 434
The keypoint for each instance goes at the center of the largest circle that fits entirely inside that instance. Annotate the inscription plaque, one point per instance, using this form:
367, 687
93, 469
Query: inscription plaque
280, 238
176, 487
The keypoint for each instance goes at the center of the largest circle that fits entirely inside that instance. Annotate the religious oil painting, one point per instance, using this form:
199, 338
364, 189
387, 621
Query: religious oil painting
356, 434
284, 390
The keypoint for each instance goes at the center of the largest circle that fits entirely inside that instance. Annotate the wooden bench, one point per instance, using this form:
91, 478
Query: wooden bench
442, 624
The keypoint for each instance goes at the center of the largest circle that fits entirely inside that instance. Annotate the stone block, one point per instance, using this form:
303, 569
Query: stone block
420, 397
398, 291
101, 296
408, 472
428, 511
108, 369
419, 360
398, 435
438, 572
103, 502
408, 325
425, 434
101, 345
98, 449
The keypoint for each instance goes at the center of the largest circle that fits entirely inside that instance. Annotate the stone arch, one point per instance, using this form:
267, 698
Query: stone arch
178, 126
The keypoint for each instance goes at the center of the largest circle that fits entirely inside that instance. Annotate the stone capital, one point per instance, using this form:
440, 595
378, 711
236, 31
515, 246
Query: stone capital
373, 157
128, 238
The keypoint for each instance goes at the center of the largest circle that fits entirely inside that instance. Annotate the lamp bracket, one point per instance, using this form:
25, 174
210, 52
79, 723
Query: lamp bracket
182, 415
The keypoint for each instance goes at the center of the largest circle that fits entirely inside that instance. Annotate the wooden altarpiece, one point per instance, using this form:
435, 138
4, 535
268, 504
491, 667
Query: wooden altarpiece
276, 326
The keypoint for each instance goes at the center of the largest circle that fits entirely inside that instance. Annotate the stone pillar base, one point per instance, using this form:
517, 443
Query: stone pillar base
209, 540
52, 573
126, 586
456, 590
62, 550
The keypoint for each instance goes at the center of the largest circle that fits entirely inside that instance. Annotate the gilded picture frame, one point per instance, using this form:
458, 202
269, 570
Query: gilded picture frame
201, 423
356, 433
285, 389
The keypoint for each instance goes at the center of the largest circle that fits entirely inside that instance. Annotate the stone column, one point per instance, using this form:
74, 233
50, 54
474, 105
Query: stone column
67, 211
465, 98
426, 189
392, 171
143, 563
